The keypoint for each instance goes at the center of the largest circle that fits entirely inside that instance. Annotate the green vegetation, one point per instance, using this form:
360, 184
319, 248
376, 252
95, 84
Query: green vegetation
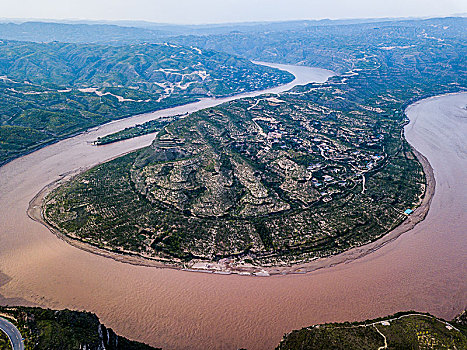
273, 179
51, 91
4, 342
400, 331
45, 329
136, 72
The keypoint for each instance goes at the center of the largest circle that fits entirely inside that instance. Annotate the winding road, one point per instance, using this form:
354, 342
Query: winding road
13, 334
423, 270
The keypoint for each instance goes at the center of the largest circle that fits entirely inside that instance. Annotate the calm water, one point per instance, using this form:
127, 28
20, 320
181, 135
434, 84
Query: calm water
425, 269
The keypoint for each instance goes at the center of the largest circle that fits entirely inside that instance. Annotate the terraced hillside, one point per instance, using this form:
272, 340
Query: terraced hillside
49, 91
408, 330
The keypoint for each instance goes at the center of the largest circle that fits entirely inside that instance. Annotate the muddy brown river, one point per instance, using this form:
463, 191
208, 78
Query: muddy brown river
425, 269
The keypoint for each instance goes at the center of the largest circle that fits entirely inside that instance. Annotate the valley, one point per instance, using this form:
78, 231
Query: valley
337, 197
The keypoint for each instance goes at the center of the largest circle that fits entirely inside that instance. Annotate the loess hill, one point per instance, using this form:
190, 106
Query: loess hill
52, 90
274, 179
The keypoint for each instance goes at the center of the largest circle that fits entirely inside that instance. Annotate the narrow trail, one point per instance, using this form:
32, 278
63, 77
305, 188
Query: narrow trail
384, 337
363, 183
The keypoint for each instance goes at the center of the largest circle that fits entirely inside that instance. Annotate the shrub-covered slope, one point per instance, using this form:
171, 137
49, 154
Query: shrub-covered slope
50, 91
400, 331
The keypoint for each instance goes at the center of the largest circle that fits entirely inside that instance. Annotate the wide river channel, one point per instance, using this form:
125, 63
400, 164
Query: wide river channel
425, 269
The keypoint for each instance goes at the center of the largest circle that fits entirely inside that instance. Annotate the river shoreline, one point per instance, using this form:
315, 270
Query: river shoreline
424, 269
35, 212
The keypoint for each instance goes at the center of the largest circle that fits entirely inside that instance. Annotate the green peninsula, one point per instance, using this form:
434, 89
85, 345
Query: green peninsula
276, 179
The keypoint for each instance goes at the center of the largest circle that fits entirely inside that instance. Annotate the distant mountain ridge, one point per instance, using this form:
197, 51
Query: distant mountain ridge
125, 32
336, 47
77, 33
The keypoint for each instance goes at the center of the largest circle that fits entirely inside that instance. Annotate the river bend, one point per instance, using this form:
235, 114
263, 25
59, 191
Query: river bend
424, 269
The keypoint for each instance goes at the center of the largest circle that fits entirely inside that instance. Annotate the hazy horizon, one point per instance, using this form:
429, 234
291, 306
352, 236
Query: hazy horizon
129, 21
226, 11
